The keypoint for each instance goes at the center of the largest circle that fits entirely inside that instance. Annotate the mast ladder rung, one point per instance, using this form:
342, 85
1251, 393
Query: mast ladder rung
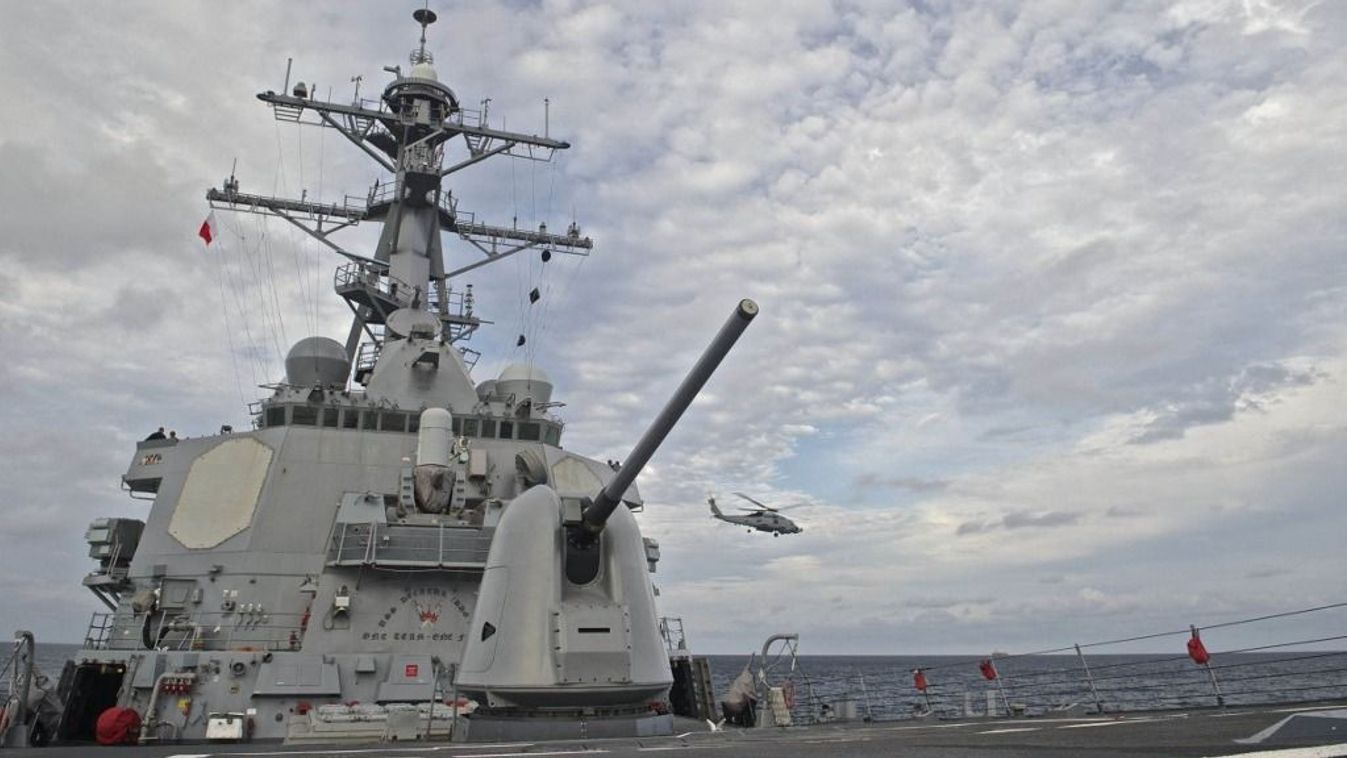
288, 113
470, 357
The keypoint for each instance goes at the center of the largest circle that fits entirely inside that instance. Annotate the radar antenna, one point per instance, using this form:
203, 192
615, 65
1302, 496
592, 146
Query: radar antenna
409, 132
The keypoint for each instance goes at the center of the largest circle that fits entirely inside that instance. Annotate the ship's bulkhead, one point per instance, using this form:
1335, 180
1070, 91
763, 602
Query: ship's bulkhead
285, 568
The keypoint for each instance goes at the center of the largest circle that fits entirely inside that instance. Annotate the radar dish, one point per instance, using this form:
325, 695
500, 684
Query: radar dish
424, 16
410, 322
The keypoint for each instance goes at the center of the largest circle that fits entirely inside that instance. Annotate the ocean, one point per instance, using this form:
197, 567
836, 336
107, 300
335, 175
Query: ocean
882, 688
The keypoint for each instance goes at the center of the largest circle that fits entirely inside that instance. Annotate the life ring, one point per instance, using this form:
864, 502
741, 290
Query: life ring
788, 694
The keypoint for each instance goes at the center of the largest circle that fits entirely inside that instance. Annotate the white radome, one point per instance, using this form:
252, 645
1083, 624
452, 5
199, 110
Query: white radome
424, 70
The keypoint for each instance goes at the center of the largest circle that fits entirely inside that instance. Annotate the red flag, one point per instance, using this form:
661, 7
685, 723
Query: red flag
1197, 651
988, 669
207, 230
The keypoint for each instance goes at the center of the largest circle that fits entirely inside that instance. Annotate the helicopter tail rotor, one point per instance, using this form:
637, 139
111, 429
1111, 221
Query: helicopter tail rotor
715, 510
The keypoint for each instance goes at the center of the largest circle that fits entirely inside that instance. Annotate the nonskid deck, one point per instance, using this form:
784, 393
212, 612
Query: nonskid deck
1203, 732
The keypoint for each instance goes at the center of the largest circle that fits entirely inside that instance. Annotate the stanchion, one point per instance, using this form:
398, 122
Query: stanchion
1098, 704
919, 680
1198, 652
865, 693
990, 673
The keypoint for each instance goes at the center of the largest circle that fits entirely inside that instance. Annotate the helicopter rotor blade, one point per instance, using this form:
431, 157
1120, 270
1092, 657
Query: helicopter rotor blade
763, 506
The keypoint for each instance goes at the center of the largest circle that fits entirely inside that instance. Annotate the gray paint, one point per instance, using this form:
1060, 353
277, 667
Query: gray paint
337, 588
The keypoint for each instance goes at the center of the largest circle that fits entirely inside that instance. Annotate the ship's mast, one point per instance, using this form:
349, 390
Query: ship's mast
408, 133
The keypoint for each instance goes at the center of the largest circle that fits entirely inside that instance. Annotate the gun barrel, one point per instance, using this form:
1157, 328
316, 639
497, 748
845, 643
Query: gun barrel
596, 515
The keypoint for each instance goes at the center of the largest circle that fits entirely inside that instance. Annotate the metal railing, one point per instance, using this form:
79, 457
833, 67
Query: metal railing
99, 633
1273, 664
213, 630
675, 639
393, 545
372, 279
367, 355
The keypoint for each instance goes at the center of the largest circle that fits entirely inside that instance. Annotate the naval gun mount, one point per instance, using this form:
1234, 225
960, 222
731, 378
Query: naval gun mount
565, 639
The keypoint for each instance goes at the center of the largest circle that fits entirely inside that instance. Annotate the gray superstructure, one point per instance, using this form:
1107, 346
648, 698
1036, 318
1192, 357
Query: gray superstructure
391, 535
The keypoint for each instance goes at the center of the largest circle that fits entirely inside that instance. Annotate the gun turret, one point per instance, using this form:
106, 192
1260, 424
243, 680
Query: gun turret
597, 513
549, 637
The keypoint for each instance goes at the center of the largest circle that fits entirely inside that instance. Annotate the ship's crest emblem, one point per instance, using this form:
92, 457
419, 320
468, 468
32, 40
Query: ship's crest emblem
429, 614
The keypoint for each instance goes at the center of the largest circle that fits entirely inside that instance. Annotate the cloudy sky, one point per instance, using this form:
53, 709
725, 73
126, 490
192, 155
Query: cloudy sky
1053, 338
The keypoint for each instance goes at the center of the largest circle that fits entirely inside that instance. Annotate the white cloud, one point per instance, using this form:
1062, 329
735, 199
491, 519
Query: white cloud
994, 248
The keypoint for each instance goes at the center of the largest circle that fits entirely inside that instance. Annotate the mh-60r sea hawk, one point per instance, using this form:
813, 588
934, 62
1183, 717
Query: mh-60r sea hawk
764, 518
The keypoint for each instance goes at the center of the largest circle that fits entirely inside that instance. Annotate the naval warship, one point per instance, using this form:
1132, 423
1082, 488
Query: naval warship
394, 550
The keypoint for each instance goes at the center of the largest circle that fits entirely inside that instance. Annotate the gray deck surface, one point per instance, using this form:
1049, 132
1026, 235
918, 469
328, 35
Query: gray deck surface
1173, 733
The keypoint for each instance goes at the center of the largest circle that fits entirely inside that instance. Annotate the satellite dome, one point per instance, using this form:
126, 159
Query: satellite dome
523, 372
423, 70
524, 381
317, 360
486, 389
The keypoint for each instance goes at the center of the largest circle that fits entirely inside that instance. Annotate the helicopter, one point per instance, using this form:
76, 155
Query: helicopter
764, 518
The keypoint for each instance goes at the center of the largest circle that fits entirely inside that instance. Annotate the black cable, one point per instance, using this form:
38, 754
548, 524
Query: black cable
1143, 637
1280, 660
1277, 615
1286, 644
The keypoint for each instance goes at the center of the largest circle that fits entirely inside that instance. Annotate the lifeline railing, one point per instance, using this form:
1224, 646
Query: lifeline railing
1268, 666
217, 630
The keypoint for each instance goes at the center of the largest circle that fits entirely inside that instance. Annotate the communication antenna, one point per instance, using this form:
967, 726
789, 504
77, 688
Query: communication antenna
425, 17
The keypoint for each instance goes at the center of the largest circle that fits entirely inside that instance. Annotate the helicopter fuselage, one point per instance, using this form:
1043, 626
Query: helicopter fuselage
762, 521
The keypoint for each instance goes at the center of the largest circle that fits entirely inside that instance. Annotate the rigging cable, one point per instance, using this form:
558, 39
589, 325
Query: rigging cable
543, 319
262, 260
269, 343
525, 302
317, 255
235, 287
522, 309
296, 243
538, 285
250, 283
229, 332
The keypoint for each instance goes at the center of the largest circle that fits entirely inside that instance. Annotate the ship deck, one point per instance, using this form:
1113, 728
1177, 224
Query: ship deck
1192, 732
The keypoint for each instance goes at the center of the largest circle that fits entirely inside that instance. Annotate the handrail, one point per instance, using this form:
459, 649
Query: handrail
373, 278
377, 544
184, 631
1274, 669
